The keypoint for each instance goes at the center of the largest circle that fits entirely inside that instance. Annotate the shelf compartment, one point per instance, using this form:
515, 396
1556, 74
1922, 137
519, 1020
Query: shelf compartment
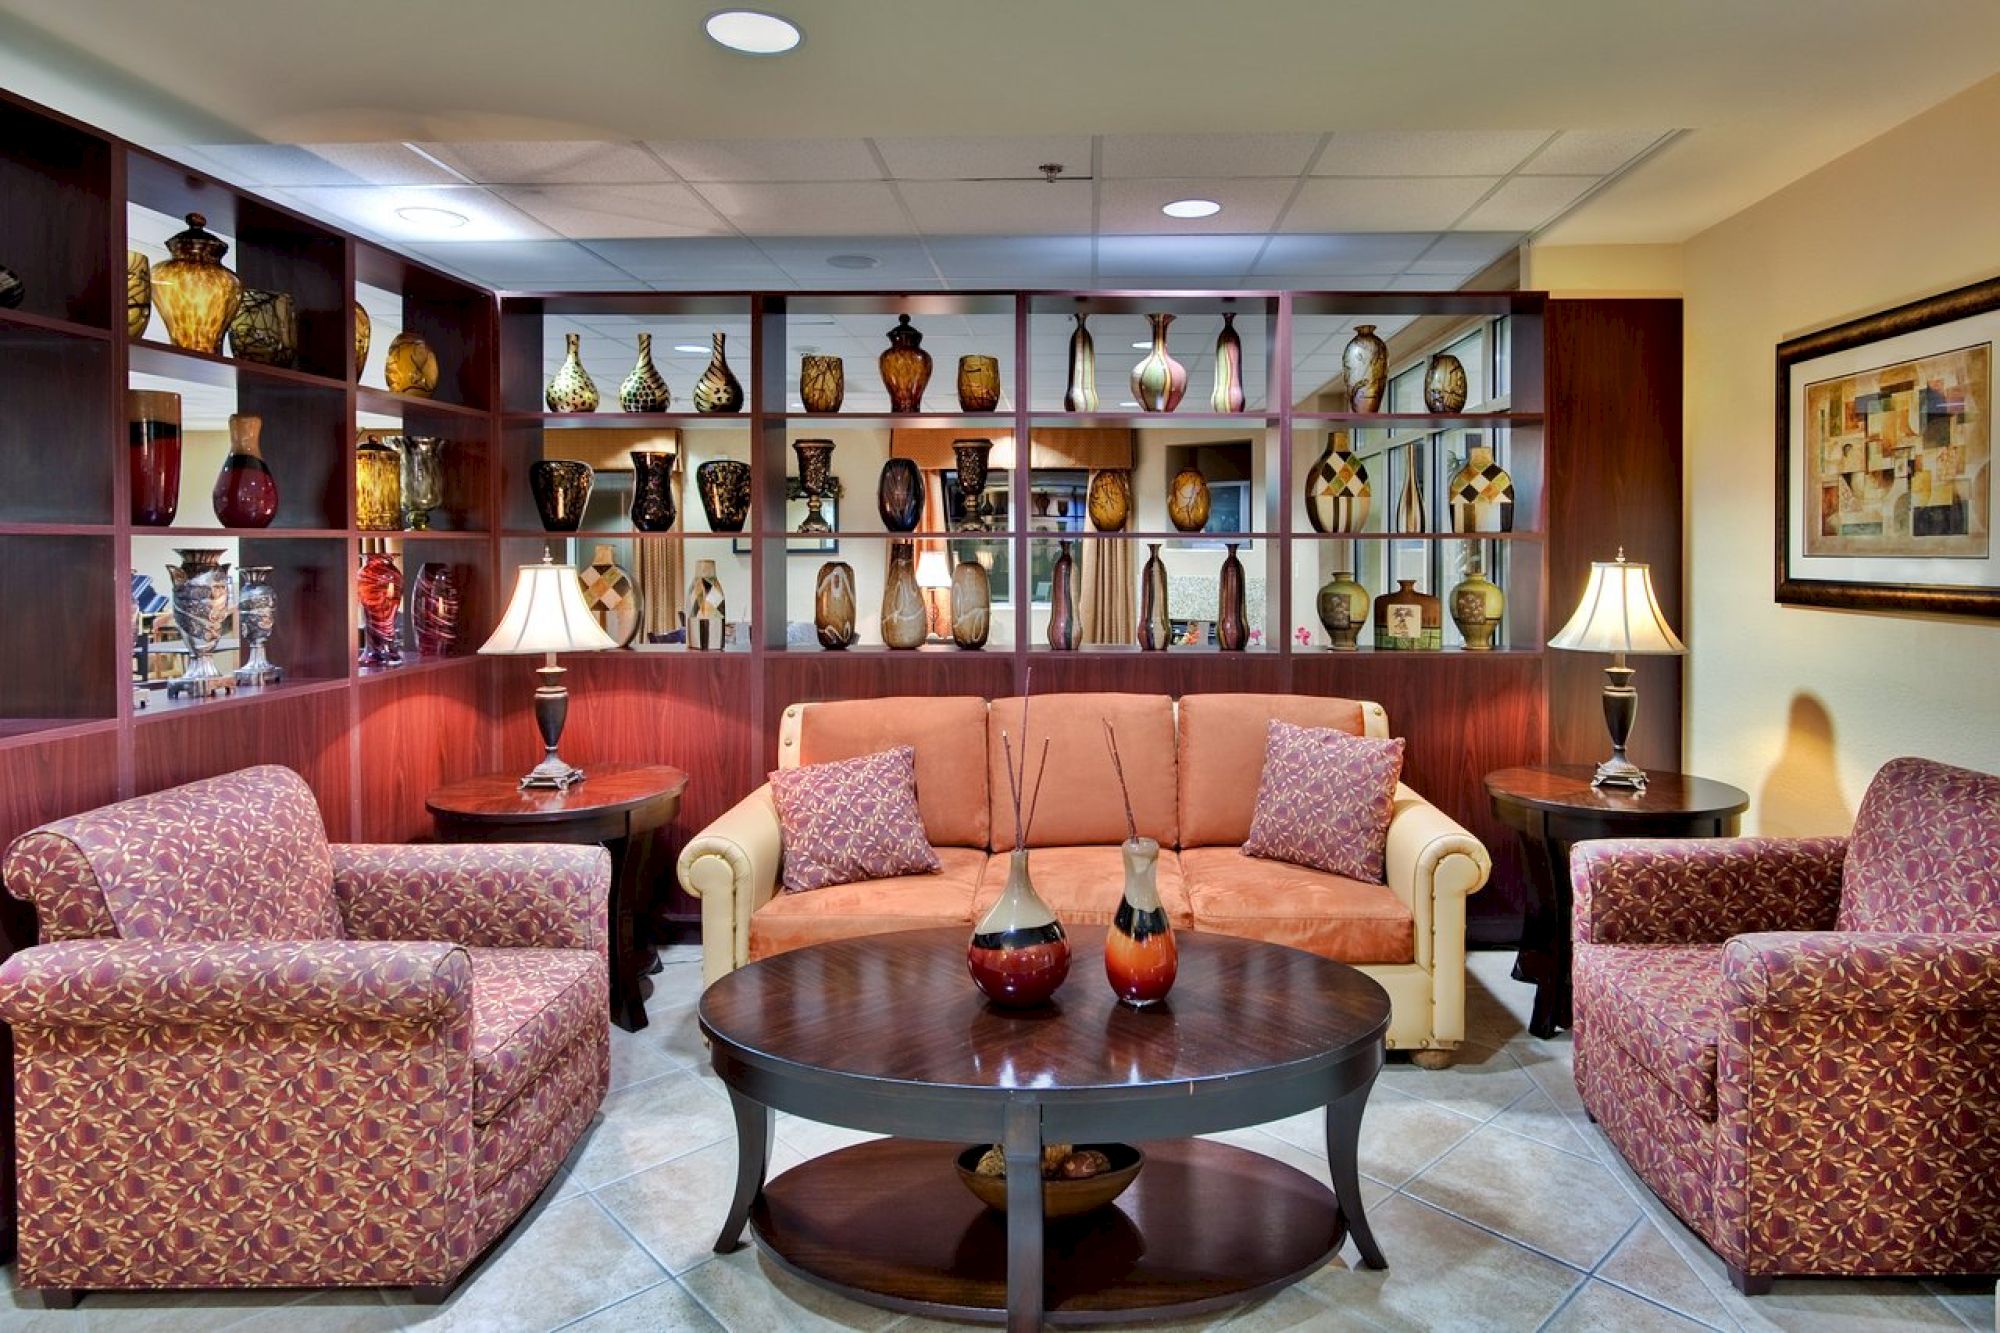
464, 463
1138, 420
414, 665
1418, 420
59, 660
17, 731
454, 318
28, 319
304, 439
159, 707
800, 424
57, 427
633, 421
370, 399
56, 213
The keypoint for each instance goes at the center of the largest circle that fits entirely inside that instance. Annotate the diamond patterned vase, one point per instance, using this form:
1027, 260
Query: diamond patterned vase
1482, 494
612, 596
1337, 490
707, 610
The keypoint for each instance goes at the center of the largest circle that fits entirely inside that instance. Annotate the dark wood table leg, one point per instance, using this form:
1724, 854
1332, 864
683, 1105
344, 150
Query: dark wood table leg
753, 1158
1023, 1148
1545, 932
628, 1000
1343, 1143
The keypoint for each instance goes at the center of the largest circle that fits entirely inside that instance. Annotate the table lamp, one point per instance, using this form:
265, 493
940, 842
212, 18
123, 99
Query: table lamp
1619, 615
933, 576
548, 615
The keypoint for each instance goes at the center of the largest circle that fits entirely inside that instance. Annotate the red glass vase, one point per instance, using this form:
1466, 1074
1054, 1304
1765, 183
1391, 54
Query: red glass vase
155, 455
1019, 954
246, 494
1140, 956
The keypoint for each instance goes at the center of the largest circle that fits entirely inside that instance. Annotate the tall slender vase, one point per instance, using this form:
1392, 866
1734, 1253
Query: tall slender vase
246, 494
1159, 381
1156, 630
434, 603
154, 423
644, 389
969, 458
1410, 501
653, 490
971, 604
1081, 396
1019, 953
1365, 361
1228, 393
1140, 956
422, 479
707, 609
201, 612
906, 621
833, 605
256, 618
379, 588
724, 487
1337, 489
906, 367
1065, 615
195, 295
1232, 621
717, 391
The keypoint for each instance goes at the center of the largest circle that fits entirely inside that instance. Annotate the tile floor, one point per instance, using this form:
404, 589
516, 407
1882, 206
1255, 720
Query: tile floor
1499, 1205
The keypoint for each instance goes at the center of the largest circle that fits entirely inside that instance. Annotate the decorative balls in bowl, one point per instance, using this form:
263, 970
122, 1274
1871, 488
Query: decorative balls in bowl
1076, 1178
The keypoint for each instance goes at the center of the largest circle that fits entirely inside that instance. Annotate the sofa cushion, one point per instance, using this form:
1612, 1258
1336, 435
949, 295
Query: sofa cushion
1325, 801
1662, 1005
949, 736
1085, 884
871, 907
1925, 852
1080, 803
1279, 903
528, 1007
851, 820
1222, 740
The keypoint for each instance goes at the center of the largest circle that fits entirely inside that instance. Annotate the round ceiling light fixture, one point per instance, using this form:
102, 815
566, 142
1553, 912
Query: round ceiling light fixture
852, 261
431, 219
1191, 208
752, 32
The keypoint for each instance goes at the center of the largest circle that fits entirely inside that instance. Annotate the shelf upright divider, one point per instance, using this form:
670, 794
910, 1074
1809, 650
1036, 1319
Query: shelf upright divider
770, 354
1020, 551
1278, 524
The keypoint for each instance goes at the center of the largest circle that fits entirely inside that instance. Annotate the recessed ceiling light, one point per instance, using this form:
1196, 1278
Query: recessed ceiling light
852, 261
695, 348
752, 32
1191, 208
437, 219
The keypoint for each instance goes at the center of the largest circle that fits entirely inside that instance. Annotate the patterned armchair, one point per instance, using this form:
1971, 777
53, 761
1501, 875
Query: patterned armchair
1797, 1043
246, 1058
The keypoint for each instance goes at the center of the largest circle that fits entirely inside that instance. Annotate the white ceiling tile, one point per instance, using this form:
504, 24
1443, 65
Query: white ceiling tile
588, 211
1125, 257
1325, 282
1527, 202
1008, 261
899, 260
373, 209
1365, 252
1591, 152
552, 162
859, 208
1428, 204
525, 265
690, 262
1427, 152
326, 164
988, 157
770, 159
1473, 248
971, 208
1129, 156
1132, 207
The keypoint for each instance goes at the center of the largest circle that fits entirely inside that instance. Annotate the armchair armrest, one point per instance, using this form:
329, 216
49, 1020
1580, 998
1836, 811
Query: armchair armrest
231, 983
1882, 971
482, 895
1433, 865
1702, 890
732, 866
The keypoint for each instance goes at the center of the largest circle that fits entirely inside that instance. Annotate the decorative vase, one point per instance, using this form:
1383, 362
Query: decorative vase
1065, 597
906, 367
822, 384
978, 383
724, 487
378, 485
562, 488
1337, 490
1408, 620
612, 596
1188, 500
256, 618
1156, 630
707, 610
653, 490
1019, 954
833, 605
1481, 494
815, 482
1232, 619
195, 295
153, 423
1444, 384
1410, 500
1477, 605
364, 333
1081, 395
1110, 499
906, 621
434, 603
13, 289
138, 294
1228, 393
410, 366
644, 389
1343, 609
201, 613
1158, 381
1140, 956
245, 494
265, 328
969, 458
571, 389
1365, 361
717, 393
899, 495
423, 479
379, 589
971, 604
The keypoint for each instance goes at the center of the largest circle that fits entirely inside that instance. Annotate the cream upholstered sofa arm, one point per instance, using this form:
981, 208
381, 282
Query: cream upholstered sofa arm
732, 866
1433, 865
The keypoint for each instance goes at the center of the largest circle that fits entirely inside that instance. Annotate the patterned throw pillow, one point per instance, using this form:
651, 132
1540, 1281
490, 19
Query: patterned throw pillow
1325, 800
852, 819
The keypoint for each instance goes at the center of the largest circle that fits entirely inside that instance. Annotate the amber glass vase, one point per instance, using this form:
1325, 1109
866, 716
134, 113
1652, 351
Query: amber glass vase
378, 486
1019, 954
1140, 956
196, 296
906, 367
978, 383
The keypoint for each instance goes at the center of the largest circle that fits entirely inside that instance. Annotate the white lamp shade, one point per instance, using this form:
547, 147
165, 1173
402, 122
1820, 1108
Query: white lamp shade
933, 570
548, 615
1618, 614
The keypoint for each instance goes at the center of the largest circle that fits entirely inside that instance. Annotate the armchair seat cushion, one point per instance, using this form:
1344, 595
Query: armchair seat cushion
1085, 884
870, 906
529, 1007
1662, 1005
1280, 903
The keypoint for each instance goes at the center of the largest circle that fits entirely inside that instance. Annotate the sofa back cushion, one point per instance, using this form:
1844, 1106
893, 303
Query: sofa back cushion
1222, 741
243, 856
1925, 853
1080, 803
948, 733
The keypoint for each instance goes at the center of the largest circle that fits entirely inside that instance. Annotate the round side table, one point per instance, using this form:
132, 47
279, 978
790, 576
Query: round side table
1554, 807
616, 806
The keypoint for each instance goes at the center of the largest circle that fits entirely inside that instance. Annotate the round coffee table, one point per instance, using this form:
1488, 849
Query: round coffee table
887, 1033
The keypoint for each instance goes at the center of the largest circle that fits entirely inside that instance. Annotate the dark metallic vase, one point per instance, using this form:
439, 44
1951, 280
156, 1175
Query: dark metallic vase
562, 488
815, 482
653, 490
724, 487
899, 495
969, 458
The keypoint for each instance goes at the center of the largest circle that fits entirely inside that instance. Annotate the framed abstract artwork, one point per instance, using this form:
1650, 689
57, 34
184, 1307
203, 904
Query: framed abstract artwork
1885, 460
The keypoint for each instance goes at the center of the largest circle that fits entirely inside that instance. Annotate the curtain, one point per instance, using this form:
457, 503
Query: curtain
1110, 607
659, 566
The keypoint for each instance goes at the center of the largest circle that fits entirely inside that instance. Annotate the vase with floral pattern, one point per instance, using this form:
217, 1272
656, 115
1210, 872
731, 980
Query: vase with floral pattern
1477, 606
256, 620
201, 601
1343, 610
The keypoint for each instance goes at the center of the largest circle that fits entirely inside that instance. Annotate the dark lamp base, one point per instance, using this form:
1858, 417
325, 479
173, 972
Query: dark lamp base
1619, 771
552, 774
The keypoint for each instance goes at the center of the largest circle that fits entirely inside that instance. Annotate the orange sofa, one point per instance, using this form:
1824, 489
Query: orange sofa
1193, 767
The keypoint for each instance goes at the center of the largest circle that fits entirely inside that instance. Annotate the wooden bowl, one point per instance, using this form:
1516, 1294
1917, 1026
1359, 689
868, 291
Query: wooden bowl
1060, 1198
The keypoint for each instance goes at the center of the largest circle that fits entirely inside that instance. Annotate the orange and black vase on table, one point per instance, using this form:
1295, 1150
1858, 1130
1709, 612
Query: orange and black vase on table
1140, 956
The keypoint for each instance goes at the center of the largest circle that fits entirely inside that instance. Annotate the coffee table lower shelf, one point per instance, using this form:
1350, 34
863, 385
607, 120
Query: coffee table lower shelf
1204, 1227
